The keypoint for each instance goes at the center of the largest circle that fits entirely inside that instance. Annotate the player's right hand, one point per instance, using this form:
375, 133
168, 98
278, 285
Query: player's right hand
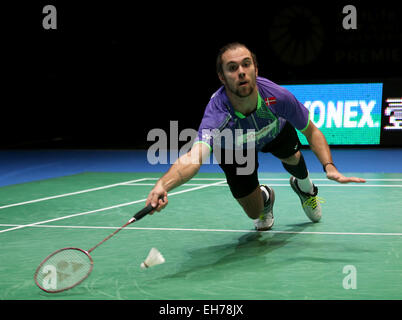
157, 198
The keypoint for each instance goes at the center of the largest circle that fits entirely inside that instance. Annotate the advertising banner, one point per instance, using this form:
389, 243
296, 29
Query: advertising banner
354, 113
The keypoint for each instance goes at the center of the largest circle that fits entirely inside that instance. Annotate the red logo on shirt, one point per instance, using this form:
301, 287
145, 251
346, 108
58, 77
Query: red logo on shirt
270, 100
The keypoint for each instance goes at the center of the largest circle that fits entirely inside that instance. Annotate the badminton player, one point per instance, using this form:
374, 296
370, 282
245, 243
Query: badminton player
247, 101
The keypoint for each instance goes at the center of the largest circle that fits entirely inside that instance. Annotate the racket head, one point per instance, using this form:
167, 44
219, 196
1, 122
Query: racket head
63, 270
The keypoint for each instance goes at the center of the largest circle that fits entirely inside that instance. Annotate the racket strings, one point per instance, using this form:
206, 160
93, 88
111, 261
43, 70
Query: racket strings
63, 269
68, 267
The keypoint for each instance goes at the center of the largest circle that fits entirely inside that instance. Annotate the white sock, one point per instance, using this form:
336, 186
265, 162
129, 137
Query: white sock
265, 195
306, 185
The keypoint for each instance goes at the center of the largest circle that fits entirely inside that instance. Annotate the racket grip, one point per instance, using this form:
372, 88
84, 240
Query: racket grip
143, 212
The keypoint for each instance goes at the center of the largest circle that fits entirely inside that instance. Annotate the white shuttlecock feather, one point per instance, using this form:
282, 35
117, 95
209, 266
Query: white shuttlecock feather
154, 258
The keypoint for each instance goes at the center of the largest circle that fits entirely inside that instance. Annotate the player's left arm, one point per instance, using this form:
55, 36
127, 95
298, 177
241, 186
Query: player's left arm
319, 146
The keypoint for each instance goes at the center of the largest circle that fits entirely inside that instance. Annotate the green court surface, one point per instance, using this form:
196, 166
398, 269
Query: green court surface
210, 246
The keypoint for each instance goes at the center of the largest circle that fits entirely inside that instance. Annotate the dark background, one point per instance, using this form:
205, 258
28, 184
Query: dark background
112, 71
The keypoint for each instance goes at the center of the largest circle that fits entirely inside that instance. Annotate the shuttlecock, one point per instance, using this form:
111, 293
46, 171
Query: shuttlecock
154, 258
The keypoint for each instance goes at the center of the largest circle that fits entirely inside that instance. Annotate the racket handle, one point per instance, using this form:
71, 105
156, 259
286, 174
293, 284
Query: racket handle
143, 212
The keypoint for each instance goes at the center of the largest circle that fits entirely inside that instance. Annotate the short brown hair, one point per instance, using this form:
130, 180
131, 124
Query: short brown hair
231, 46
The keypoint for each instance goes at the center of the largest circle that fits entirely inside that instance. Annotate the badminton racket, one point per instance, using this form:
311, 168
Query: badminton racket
68, 267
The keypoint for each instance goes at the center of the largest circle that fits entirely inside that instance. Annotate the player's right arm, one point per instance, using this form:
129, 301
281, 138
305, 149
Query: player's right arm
184, 168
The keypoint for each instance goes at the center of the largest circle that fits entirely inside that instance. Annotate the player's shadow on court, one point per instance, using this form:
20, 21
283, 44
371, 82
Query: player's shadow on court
251, 249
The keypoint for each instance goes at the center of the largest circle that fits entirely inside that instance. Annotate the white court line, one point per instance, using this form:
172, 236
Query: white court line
286, 185
218, 230
70, 194
105, 209
130, 183
283, 179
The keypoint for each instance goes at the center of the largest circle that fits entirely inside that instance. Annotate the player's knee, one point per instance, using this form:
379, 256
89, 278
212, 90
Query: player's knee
293, 159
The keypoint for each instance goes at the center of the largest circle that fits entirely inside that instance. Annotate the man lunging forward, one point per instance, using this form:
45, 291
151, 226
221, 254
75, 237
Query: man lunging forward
247, 101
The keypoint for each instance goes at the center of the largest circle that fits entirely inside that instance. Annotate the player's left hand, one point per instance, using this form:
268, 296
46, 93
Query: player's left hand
334, 174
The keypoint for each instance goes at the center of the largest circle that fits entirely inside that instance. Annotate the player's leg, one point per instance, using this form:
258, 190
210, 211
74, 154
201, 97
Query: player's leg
257, 201
252, 203
286, 147
296, 166
263, 218
303, 186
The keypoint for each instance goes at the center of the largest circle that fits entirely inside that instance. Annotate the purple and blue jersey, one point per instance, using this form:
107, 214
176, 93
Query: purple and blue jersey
276, 105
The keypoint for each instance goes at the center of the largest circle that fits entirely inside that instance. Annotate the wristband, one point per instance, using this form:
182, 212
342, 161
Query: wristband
325, 165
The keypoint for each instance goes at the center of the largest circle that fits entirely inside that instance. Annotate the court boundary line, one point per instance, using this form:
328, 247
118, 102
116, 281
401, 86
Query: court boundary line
70, 193
132, 182
287, 179
217, 230
287, 185
105, 209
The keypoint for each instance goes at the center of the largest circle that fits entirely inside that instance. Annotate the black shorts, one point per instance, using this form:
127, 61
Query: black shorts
286, 144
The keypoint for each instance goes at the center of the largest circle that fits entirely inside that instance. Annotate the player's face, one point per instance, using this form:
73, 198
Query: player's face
239, 73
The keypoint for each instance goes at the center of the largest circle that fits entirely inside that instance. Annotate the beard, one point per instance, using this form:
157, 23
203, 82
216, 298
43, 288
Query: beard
241, 92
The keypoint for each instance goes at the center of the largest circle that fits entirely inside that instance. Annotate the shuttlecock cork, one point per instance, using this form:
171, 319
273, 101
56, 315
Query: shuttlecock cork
154, 258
